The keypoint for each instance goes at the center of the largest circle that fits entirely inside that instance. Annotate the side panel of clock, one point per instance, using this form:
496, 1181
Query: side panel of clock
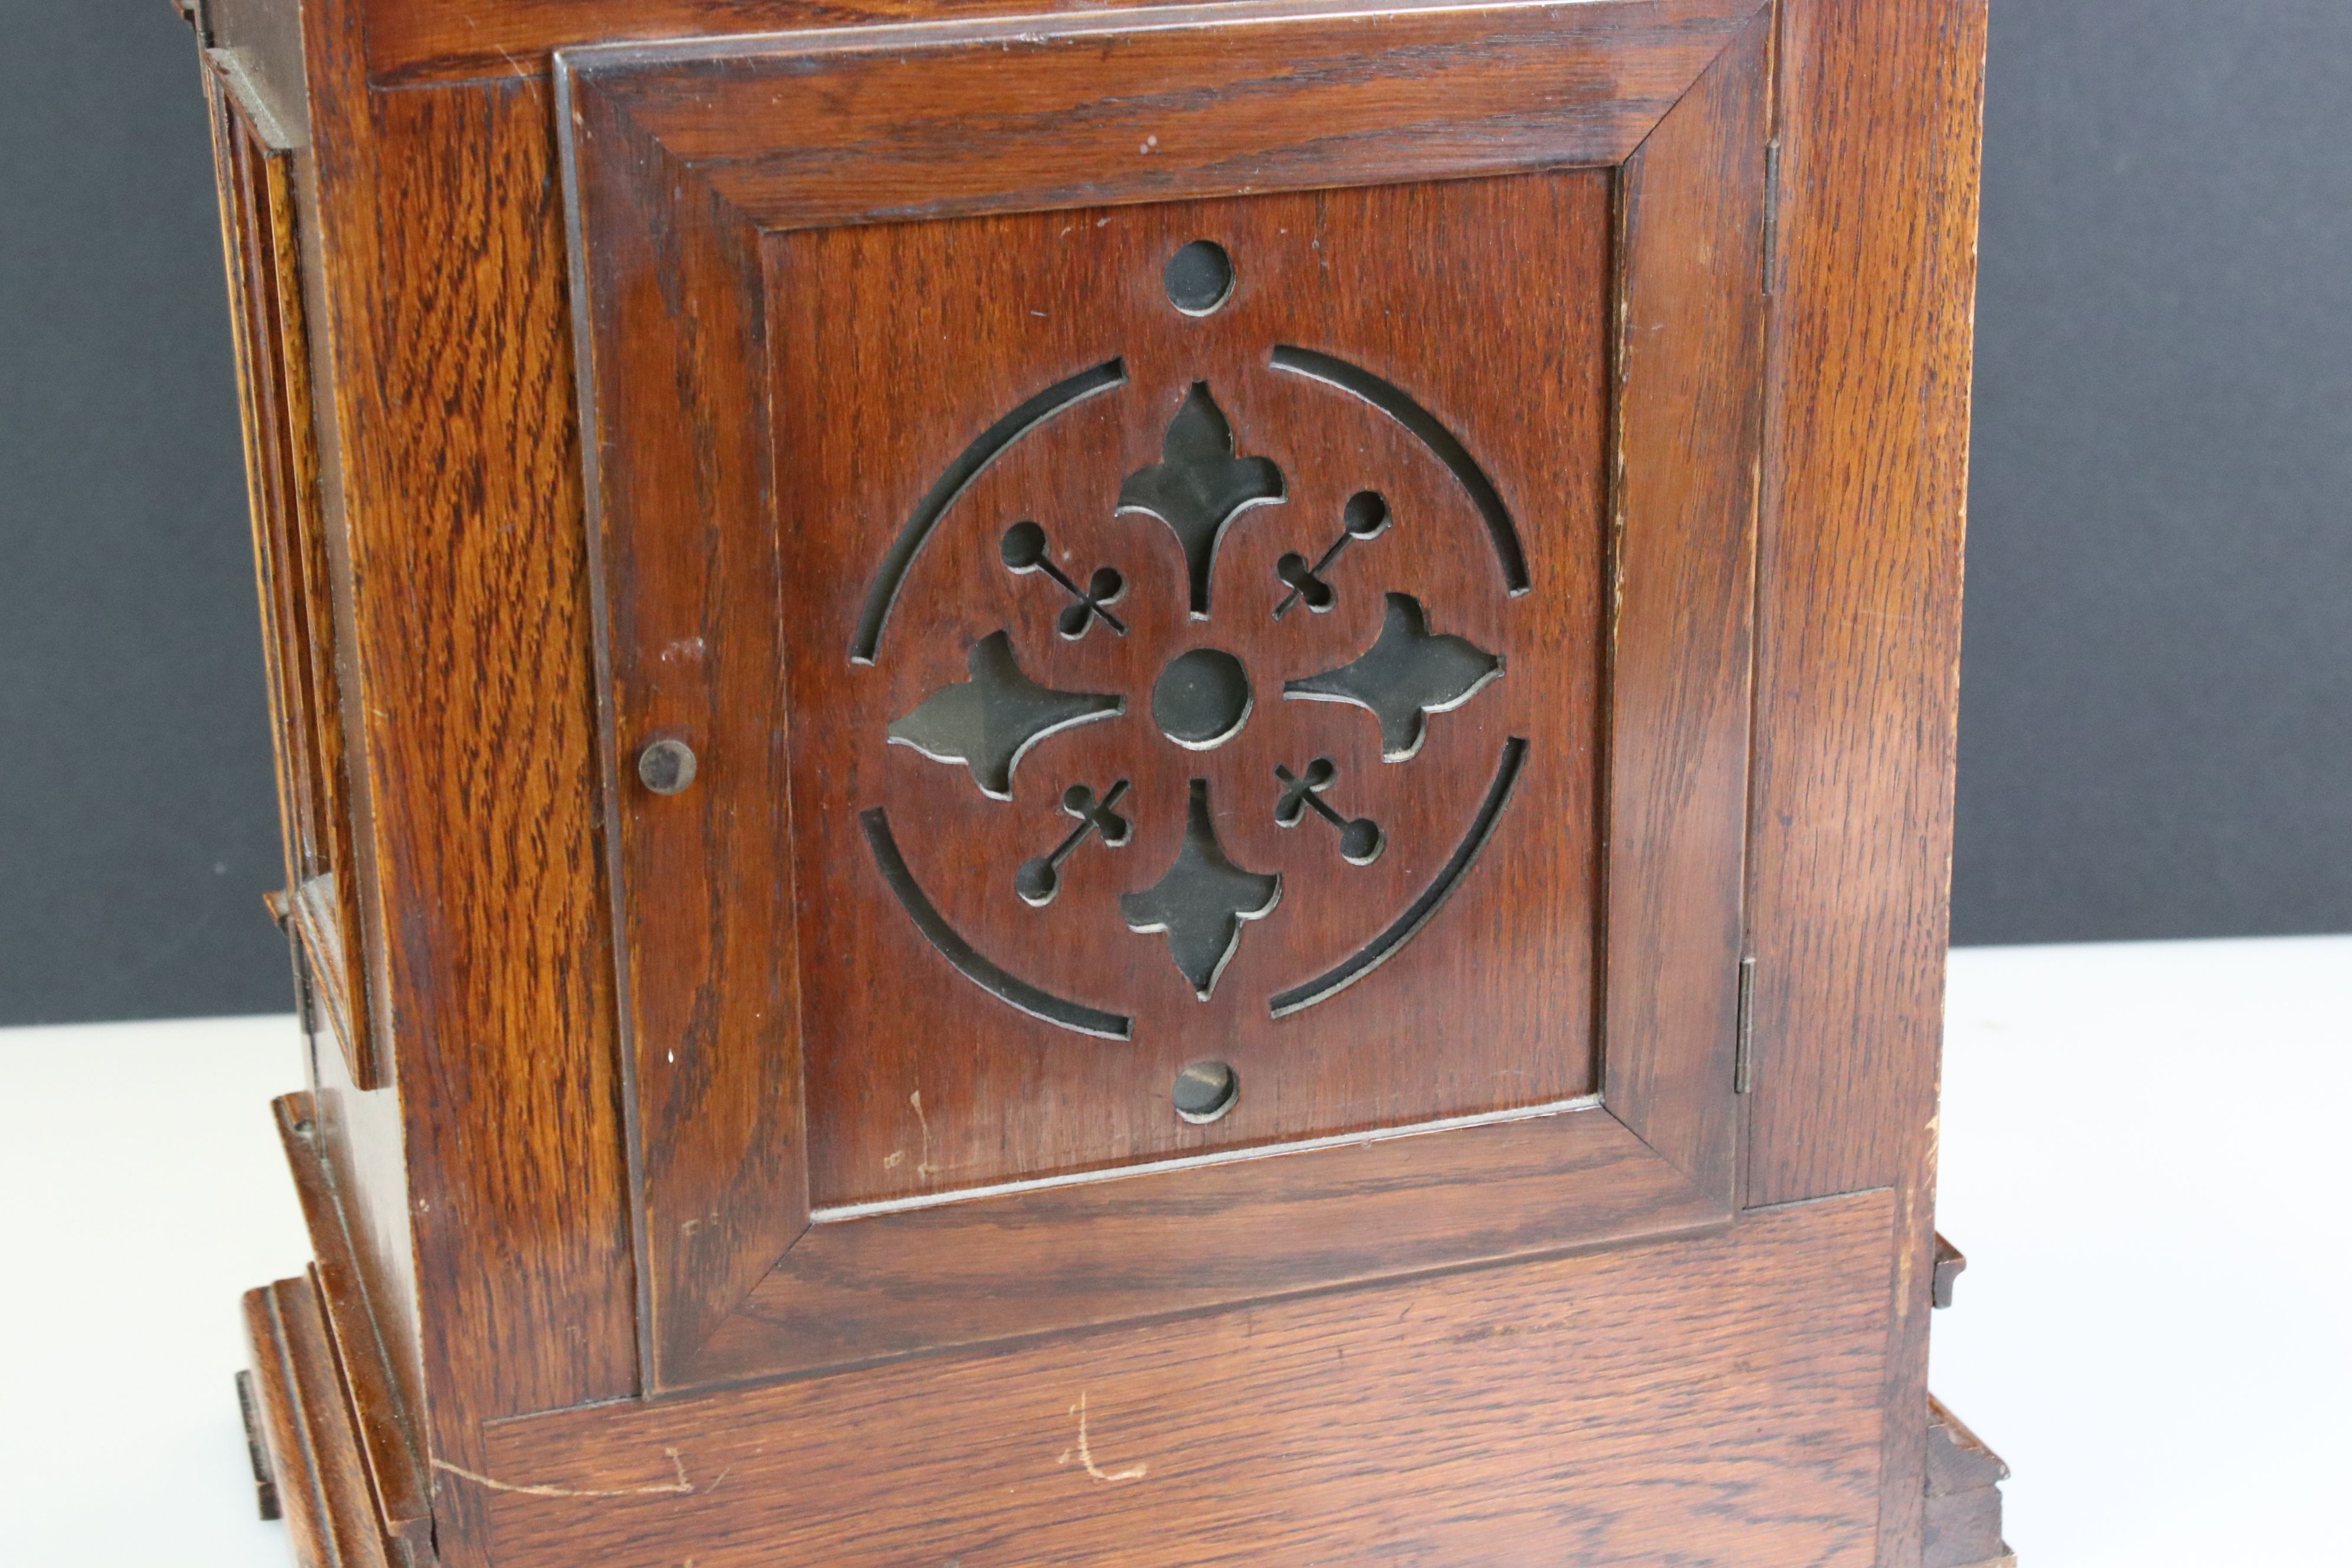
1184, 668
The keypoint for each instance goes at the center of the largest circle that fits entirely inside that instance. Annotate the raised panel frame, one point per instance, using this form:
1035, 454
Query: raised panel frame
679, 157
253, 152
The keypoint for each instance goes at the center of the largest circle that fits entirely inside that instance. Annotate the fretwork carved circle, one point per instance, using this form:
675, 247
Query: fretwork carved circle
1210, 480
1200, 278
1201, 700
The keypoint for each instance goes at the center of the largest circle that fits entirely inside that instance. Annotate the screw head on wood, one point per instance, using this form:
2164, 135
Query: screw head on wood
666, 767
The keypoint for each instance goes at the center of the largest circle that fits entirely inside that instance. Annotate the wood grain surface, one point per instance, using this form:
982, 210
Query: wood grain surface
892, 381
253, 151
1865, 488
491, 1183
1963, 1527
306, 1428
380, 1415
1157, 104
357, 1144
412, 42
1689, 418
989, 1270
717, 570
255, 48
1705, 1398
709, 987
1499, 1415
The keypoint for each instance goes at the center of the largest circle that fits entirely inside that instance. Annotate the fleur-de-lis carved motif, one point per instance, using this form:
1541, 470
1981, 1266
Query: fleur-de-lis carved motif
988, 722
1405, 675
1201, 900
1199, 486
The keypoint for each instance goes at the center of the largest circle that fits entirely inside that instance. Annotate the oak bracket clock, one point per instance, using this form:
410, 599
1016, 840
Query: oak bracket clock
1142, 785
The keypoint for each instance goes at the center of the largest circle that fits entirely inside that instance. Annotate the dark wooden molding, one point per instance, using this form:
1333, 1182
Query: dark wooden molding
253, 149
983, 1270
315, 918
377, 1416
415, 43
256, 1450
305, 1426
1950, 1261
1963, 1497
1689, 428
1156, 104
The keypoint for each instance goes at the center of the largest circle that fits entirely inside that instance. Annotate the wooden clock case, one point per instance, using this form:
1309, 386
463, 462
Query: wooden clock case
1153, 785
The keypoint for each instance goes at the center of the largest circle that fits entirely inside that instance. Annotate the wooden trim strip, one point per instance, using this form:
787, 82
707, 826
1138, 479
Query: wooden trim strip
878, 124
1690, 419
255, 154
413, 43
985, 1272
321, 1482
373, 1408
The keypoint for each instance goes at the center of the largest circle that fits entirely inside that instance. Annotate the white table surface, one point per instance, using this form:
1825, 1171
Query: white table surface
2143, 1157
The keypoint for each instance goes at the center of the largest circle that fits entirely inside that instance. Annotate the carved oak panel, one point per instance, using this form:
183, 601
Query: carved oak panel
1160, 629
1211, 683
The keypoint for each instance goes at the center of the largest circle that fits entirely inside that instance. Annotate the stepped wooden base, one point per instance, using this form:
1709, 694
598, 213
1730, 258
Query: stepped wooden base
307, 1436
313, 1398
308, 1469
1964, 1480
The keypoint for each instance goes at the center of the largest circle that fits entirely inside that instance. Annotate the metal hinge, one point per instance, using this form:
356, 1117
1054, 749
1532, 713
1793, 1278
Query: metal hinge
1743, 1053
1771, 217
195, 14
265, 1480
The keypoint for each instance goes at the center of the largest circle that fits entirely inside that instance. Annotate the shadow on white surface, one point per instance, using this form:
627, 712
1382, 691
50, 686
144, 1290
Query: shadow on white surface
147, 1195
2142, 1158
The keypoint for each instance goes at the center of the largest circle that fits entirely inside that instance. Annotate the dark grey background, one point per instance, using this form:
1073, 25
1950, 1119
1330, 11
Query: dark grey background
2157, 707
2155, 696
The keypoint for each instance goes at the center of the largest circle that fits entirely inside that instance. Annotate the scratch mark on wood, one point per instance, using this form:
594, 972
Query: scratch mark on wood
681, 1486
1085, 1455
924, 1169
1904, 1250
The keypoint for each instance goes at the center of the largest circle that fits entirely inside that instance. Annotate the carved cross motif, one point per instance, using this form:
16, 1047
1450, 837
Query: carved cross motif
1365, 518
1025, 551
1041, 879
1359, 836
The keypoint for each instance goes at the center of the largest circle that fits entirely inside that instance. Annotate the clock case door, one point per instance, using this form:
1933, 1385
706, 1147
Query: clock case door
1321, 651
